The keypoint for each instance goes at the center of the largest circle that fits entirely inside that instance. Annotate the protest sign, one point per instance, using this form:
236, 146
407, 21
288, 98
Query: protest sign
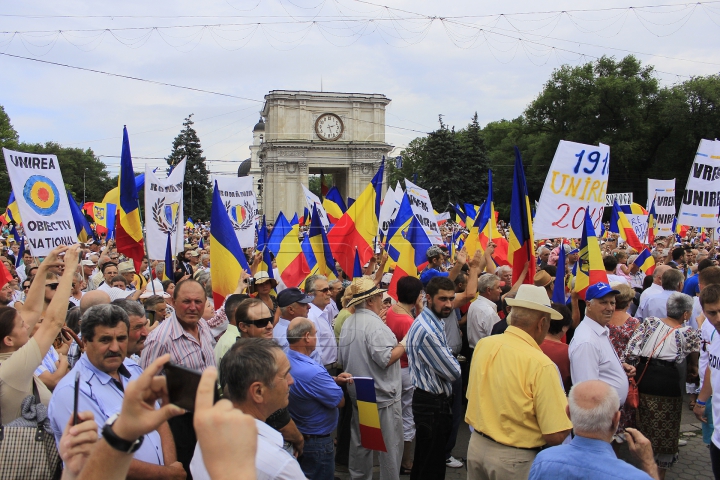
42, 200
423, 210
239, 200
388, 207
577, 179
699, 206
164, 211
620, 198
639, 224
312, 200
663, 191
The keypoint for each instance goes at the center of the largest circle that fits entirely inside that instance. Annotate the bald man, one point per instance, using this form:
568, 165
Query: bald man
95, 297
593, 408
656, 286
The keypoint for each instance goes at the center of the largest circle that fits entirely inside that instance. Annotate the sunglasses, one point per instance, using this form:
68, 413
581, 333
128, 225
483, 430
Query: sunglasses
324, 290
53, 286
25, 287
261, 323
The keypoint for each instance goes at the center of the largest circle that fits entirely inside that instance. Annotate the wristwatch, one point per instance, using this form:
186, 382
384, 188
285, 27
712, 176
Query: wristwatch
125, 446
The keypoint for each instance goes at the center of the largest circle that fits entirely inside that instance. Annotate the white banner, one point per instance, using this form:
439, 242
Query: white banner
663, 191
620, 198
312, 199
42, 200
387, 209
577, 179
164, 211
239, 200
639, 225
423, 210
699, 206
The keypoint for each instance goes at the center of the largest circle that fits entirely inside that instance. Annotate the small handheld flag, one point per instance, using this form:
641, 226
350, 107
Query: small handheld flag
590, 268
169, 270
558, 295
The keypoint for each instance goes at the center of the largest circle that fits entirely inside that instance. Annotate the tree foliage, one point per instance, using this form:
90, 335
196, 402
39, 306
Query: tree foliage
197, 191
653, 132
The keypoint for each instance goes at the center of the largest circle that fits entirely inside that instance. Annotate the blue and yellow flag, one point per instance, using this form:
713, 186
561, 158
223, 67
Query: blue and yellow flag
652, 228
521, 245
325, 264
334, 205
225, 254
645, 262
590, 268
82, 227
621, 225
12, 214
128, 228
169, 272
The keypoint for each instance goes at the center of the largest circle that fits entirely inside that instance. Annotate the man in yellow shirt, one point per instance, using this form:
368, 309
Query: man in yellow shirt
516, 401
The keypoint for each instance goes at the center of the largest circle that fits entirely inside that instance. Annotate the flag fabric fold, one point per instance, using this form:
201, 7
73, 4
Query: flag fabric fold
82, 226
368, 417
486, 223
357, 270
283, 243
225, 254
621, 225
558, 295
590, 268
334, 205
521, 245
645, 262
128, 228
12, 213
21, 252
169, 272
652, 228
358, 226
317, 238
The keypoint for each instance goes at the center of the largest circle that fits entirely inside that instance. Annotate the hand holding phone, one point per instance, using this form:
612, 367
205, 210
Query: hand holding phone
76, 420
182, 385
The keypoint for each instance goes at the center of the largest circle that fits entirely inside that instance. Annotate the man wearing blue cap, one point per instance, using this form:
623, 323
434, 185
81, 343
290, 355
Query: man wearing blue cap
592, 356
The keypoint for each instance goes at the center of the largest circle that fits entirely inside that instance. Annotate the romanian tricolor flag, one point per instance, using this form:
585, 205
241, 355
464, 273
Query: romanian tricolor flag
284, 244
104, 215
590, 268
679, 230
359, 225
460, 215
521, 246
487, 228
558, 295
652, 228
169, 273
82, 227
128, 228
621, 225
12, 214
645, 262
334, 205
266, 262
226, 254
371, 436
309, 258
325, 264
407, 244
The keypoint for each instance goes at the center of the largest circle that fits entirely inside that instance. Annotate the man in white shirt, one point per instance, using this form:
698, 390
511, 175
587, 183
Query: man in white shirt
592, 356
256, 376
317, 285
22, 270
482, 314
655, 305
656, 286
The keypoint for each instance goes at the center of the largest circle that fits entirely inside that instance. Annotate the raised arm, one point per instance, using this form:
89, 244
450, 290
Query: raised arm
57, 310
35, 300
476, 264
457, 267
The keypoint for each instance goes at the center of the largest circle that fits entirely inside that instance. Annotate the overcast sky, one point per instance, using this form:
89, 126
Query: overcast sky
465, 59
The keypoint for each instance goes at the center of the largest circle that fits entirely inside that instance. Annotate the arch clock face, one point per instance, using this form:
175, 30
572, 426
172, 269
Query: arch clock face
329, 127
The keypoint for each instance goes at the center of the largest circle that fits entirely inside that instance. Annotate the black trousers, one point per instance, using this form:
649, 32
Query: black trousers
433, 424
184, 435
715, 460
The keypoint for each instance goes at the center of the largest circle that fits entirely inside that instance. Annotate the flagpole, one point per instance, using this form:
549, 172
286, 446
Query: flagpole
145, 247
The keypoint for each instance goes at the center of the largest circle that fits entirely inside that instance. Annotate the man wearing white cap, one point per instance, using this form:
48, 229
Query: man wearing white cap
516, 402
368, 348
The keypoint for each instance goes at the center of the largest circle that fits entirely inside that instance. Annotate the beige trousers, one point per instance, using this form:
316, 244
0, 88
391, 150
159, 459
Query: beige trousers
488, 460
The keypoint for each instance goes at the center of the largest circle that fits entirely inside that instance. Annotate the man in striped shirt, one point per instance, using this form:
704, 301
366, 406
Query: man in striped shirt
433, 369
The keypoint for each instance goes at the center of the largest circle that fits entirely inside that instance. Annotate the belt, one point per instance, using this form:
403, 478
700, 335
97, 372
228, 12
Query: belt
536, 449
659, 363
315, 436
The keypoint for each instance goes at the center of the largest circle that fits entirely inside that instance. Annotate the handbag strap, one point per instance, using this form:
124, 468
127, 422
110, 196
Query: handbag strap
660, 343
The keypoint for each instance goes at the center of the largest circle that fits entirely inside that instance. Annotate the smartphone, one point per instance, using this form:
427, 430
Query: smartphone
76, 420
182, 384
150, 315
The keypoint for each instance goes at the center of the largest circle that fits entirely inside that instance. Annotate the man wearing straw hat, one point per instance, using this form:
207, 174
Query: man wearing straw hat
516, 402
368, 348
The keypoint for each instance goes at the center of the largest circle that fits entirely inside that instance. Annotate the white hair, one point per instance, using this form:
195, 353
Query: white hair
502, 269
599, 418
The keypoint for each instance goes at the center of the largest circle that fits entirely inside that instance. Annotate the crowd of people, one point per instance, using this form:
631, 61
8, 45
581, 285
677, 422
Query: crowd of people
548, 390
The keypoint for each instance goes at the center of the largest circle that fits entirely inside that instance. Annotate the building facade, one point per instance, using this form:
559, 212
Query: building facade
304, 133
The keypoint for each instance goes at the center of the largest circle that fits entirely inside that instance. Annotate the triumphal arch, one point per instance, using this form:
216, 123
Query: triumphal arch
342, 134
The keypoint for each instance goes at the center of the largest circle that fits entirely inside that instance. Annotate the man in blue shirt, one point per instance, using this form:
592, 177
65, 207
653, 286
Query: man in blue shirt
314, 399
593, 408
436, 257
104, 374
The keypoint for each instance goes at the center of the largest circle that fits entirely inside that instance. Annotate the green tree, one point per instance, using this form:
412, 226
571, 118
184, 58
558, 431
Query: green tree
412, 156
8, 139
196, 189
314, 183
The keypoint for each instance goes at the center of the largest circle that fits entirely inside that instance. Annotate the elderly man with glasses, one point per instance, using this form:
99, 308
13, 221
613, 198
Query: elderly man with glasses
318, 286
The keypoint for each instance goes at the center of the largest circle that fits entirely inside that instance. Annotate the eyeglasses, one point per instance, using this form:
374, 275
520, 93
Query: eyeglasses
53, 286
323, 290
261, 323
25, 287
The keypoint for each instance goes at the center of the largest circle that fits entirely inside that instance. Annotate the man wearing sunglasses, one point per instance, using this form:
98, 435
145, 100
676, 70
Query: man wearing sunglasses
318, 286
